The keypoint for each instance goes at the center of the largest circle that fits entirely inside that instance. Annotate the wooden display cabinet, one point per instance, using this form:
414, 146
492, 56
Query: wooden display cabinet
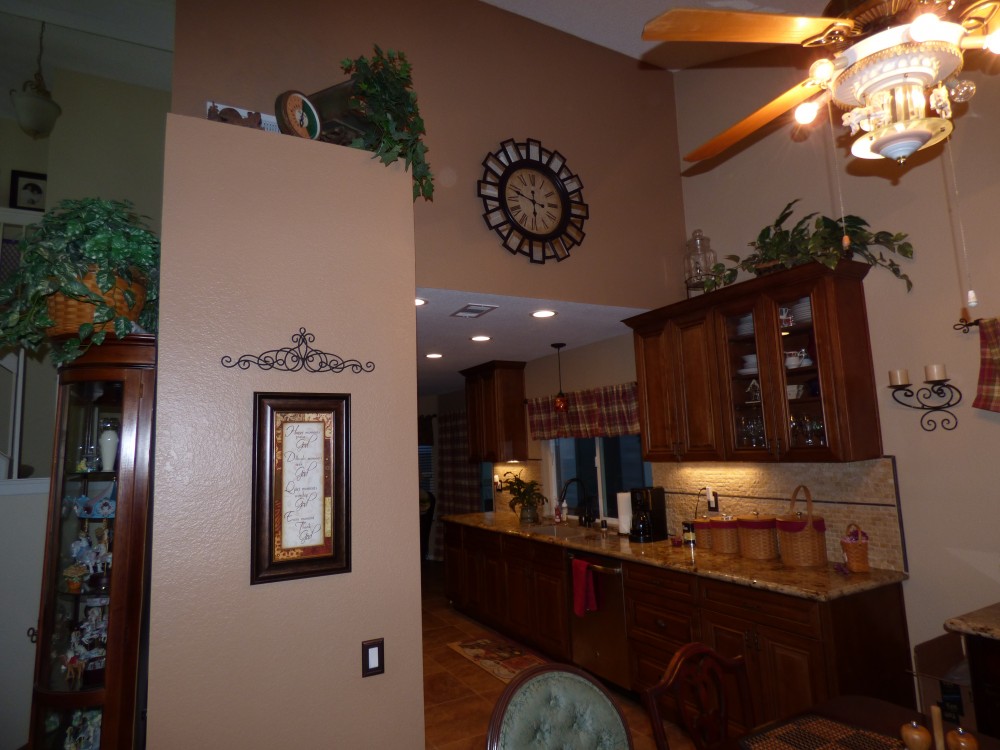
774, 369
90, 636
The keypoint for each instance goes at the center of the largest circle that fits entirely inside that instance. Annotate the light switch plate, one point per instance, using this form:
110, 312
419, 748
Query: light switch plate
713, 501
372, 657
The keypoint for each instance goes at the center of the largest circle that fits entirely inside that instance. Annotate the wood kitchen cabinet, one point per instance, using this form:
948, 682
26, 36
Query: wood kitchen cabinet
799, 652
510, 583
774, 369
660, 616
494, 402
89, 677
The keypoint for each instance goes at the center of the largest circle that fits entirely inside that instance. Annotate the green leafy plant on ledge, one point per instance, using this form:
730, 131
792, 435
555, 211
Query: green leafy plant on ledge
815, 238
384, 102
527, 494
100, 242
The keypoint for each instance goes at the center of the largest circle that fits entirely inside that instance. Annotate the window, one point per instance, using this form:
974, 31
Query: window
605, 466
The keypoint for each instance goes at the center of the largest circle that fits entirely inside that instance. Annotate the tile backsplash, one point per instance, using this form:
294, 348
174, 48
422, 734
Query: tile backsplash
861, 492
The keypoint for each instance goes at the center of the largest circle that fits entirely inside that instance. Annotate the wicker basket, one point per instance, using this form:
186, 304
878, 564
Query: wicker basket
855, 546
802, 540
758, 537
725, 535
69, 314
703, 533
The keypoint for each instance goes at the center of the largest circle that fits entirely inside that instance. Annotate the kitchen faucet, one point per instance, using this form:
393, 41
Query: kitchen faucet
587, 514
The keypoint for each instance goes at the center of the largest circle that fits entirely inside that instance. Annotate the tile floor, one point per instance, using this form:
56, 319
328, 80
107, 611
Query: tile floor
459, 696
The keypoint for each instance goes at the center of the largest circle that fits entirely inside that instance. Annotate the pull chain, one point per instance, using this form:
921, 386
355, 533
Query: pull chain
963, 263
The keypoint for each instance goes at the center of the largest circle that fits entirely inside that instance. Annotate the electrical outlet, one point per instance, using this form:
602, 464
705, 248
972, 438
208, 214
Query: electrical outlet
712, 500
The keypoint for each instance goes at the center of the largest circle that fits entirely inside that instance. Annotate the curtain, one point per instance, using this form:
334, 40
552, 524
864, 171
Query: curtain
988, 390
609, 411
457, 479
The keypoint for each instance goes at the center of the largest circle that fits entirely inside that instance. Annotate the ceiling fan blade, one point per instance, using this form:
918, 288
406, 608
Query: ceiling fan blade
757, 120
697, 25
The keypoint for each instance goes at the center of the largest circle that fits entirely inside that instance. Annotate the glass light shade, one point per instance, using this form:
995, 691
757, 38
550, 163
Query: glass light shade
36, 114
698, 260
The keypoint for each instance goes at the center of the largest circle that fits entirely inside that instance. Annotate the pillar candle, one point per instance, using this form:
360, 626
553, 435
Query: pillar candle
899, 377
935, 372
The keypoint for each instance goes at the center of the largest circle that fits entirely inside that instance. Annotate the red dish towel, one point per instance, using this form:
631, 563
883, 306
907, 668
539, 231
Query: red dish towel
584, 593
988, 393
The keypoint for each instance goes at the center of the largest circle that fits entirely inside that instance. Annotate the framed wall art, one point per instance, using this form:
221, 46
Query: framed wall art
301, 506
27, 190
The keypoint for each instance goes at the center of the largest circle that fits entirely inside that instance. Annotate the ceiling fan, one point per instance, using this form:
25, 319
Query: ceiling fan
893, 65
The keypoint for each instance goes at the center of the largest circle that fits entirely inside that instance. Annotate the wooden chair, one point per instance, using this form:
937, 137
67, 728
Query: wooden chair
557, 706
711, 695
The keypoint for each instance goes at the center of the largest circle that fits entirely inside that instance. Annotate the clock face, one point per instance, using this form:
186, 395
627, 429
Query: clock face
296, 115
533, 201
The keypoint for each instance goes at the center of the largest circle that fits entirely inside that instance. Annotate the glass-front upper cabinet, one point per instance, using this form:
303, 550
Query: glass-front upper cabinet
746, 369
806, 423
88, 637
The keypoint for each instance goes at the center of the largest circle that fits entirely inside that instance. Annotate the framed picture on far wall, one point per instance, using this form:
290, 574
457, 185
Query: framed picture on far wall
27, 190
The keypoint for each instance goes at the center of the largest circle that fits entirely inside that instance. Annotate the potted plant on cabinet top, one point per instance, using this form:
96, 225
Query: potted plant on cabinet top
90, 266
527, 494
814, 238
381, 99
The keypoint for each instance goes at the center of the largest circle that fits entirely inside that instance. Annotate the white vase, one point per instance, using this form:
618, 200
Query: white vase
108, 442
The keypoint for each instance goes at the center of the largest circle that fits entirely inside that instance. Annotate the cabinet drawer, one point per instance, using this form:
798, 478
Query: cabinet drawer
452, 535
550, 557
654, 584
515, 546
781, 611
663, 626
480, 541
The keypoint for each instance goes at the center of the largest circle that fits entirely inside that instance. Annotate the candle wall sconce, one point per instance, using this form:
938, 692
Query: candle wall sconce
934, 399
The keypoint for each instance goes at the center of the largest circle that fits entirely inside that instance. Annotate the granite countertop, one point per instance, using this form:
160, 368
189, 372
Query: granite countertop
820, 584
984, 622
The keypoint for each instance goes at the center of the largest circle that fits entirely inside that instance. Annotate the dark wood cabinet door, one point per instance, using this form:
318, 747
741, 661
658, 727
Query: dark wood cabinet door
521, 595
494, 398
551, 607
792, 669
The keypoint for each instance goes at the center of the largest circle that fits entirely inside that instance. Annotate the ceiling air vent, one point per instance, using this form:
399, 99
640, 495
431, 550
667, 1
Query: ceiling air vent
472, 310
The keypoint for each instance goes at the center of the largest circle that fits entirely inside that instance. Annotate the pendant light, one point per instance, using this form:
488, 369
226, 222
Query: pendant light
33, 106
560, 401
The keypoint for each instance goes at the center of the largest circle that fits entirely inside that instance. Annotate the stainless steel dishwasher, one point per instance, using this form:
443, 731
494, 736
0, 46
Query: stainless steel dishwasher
600, 643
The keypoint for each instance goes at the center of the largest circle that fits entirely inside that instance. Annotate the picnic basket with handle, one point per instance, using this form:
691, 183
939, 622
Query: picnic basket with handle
854, 543
802, 538
758, 537
725, 535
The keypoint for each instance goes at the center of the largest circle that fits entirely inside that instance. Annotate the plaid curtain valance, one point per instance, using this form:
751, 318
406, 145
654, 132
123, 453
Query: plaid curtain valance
609, 411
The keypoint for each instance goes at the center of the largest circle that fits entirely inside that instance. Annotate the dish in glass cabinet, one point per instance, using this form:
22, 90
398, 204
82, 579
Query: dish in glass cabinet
747, 371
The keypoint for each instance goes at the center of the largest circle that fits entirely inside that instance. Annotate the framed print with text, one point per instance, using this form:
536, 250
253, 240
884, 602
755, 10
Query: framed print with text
301, 507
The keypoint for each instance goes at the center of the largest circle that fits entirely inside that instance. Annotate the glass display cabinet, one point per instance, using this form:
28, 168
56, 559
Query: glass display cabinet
89, 681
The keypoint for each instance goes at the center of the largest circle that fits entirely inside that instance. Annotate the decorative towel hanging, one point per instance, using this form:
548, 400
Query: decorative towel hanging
988, 392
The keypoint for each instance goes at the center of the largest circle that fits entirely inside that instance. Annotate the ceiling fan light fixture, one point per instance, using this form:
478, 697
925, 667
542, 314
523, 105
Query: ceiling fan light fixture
822, 71
925, 27
806, 112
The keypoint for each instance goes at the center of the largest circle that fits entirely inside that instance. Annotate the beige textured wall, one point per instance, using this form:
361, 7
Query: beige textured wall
947, 480
482, 76
310, 235
21, 152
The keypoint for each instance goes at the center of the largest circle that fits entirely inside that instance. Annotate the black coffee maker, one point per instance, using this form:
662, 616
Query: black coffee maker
649, 515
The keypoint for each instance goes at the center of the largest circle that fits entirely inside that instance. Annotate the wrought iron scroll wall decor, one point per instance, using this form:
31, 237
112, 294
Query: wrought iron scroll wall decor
302, 356
934, 399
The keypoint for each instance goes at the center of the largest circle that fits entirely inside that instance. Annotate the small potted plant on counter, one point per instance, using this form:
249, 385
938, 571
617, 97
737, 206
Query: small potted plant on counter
89, 267
527, 494
814, 238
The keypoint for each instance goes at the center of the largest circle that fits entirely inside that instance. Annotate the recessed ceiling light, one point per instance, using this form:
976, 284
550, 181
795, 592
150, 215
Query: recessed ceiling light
434, 355
420, 301
543, 313
480, 338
